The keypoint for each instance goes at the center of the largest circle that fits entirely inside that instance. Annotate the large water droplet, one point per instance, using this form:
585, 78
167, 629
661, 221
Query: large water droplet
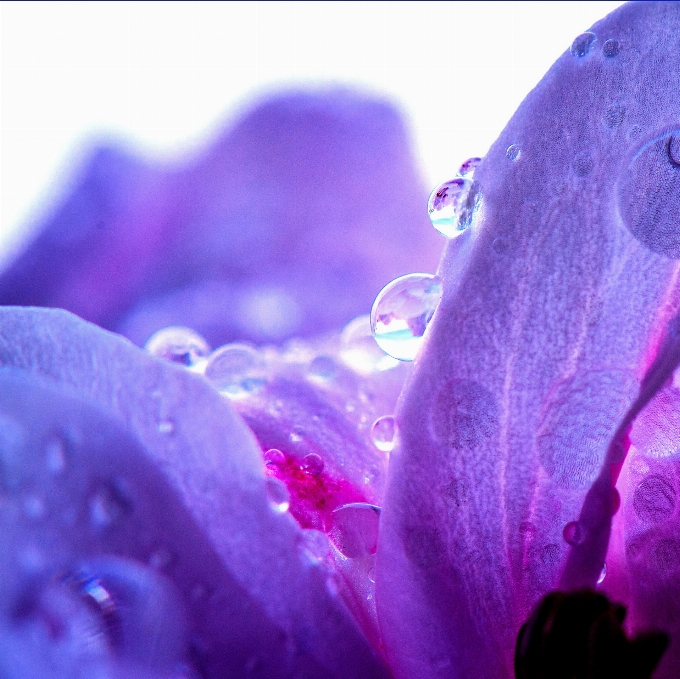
467, 169
179, 345
279, 497
447, 206
582, 44
354, 529
513, 152
274, 459
382, 433
402, 311
654, 499
611, 47
359, 351
574, 533
312, 464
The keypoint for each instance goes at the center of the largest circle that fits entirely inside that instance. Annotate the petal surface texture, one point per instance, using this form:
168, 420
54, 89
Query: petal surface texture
138, 538
286, 226
556, 302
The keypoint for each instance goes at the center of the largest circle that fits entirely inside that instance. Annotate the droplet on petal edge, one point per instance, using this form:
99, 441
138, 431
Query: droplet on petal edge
446, 205
467, 169
382, 433
582, 44
354, 529
603, 574
178, 345
513, 152
611, 48
402, 311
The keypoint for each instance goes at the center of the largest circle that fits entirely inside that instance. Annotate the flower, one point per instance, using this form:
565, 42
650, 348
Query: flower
144, 536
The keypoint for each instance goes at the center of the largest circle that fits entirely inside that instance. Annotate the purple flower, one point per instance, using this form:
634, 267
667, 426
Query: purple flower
537, 432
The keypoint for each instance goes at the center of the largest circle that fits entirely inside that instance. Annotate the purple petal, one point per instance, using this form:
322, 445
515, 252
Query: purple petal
122, 464
555, 304
286, 226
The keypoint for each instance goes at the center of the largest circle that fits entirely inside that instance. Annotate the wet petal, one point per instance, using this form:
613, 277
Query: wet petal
556, 302
129, 480
287, 226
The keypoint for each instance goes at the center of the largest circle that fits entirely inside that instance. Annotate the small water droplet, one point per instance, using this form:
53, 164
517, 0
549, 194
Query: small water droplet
446, 206
55, 455
178, 345
603, 575
312, 464
467, 169
582, 44
316, 546
359, 351
165, 427
371, 575
574, 533
382, 433
274, 458
297, 435
499, 245
402, 311
279, 497
109, 504
354, 529
322, 369
513, 152
654, 499
611, 47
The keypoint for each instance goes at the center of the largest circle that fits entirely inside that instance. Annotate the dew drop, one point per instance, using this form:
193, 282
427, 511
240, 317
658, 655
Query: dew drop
402, 311
582, 44
611, 47
467, 169
354, 529
359, 351
279, 497
447, 206
236, 370
371, 575
574, 533
382, 433
499, 245
274, 458
603, 575
322, 369
513, 152
316, 546
178, 345
109, 505
312, 464
654, 499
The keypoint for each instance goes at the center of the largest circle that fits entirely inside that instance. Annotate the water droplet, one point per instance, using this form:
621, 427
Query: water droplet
279, 497
236, 370
382, 433
574, 533
297, 435
165, 427
611, 47
603, 575
654, 499
359, 351
322, 369
513, 152
447, 207
354, 529
55, 455
274, 458
316, 546
582, 44
109, 504
312, 464
402, 311
179, 345
467, 169
371, 575
500, 245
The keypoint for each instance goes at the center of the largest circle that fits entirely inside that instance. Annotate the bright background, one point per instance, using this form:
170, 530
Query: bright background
168, 75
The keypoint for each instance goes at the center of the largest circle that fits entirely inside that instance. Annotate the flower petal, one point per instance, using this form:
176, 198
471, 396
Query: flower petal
157, 469
555, 304
286, 226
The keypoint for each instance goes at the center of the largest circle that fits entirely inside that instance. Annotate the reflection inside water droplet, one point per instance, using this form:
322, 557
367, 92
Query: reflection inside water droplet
603, 575
447, 206
359, 351
467, 169
382, 433
178, 345
279, 497
402, 311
